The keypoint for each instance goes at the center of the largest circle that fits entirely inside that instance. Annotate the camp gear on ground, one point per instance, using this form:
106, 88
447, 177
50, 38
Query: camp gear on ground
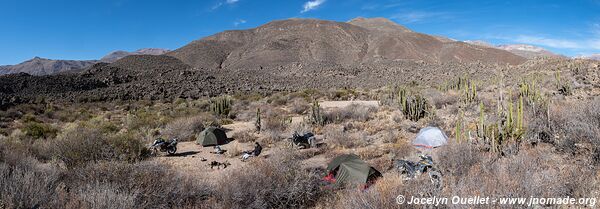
211, 136
350, 169
303, 141
247, 154
410, 170
170, 147
257, 149
218, 150
430, 137
219, 164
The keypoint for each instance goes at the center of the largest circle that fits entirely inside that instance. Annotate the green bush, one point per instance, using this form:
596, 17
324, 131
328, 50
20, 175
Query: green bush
39, 130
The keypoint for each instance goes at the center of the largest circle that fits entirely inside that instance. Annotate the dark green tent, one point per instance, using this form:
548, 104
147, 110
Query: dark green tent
350, 169
211, 136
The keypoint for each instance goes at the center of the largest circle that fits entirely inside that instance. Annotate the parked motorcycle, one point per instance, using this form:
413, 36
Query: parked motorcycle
170, 147
410, 169
303, 141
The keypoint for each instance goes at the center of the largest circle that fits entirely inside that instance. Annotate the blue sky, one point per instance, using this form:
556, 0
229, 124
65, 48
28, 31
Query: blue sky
89, 29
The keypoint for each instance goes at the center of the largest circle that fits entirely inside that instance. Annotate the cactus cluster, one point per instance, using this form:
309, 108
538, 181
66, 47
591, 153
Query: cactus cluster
508, 127
530, 91
465, 85
469, 94
412, 104
220, 106
564, 88
456, 84
414, 107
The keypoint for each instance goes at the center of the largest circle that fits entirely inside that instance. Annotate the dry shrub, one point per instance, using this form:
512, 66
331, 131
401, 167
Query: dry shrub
98, 195
145, 185
354, 112
234, 149
274, 125
381, 195
457, 159
186, 128
441, 99
27, 184
531, 173
78, 145
244, 136
337, 137
277, 182
569, 124
299, 106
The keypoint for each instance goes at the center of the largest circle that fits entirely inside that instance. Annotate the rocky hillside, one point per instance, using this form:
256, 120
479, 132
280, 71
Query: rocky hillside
41, 66
311, 41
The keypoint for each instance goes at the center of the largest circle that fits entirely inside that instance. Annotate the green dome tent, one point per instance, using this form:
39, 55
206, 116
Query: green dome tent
211, 136
350, 169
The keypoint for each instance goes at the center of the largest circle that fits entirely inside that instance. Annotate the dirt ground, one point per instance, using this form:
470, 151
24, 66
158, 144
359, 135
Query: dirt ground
195, 160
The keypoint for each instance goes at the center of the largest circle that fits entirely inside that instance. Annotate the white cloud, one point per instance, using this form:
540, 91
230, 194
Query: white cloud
239, 22
216, 6
310, 5
221, 3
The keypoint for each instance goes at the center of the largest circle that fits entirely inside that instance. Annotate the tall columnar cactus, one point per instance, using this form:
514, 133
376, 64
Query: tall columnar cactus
258, 123
458, 133
317, 117
481, 125
520, 128
469, 93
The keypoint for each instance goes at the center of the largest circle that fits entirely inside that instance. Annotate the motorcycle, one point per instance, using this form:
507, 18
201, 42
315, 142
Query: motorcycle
170, 147
410, 169
303, 141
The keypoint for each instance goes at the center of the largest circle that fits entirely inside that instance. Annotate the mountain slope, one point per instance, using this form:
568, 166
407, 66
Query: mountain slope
41, 66
528, 51
114, 56
523, 50
591, 57
312, 41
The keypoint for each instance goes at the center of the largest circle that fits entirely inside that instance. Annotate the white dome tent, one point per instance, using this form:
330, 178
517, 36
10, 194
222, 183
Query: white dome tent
430, 137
